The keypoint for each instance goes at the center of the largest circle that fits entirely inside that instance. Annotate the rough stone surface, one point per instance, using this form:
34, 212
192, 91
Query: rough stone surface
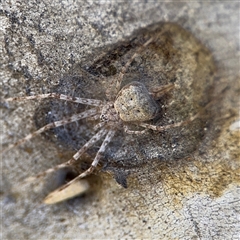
195, 198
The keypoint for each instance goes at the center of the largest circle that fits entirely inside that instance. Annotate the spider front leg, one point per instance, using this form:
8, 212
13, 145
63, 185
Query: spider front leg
73, 118
111, 94
85, 101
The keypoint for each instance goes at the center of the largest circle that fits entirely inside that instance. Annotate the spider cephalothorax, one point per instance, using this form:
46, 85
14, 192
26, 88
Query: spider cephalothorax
109, 115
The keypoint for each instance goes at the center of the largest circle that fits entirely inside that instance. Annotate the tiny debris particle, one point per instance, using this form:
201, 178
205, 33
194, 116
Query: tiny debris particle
235, 126
75, 189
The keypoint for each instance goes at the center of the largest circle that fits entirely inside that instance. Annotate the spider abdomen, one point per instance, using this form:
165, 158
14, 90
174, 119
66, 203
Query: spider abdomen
134, 103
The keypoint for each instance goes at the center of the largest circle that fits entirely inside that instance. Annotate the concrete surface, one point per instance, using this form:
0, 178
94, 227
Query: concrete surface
195, 198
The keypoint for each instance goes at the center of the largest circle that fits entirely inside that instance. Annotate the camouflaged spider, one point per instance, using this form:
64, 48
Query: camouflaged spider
133, 104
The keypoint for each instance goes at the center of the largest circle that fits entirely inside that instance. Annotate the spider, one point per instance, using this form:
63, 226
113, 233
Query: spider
131, 104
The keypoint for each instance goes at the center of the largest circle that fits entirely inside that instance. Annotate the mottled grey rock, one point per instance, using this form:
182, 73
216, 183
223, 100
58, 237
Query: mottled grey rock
195, 198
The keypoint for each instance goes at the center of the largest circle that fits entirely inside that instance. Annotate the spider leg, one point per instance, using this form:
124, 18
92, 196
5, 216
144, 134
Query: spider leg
99, 125
99, 154
75, 157
178, 124
137, 132
162, 128
125, 68
64, 121
94, 118
86, 101
159, 91
102, 149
